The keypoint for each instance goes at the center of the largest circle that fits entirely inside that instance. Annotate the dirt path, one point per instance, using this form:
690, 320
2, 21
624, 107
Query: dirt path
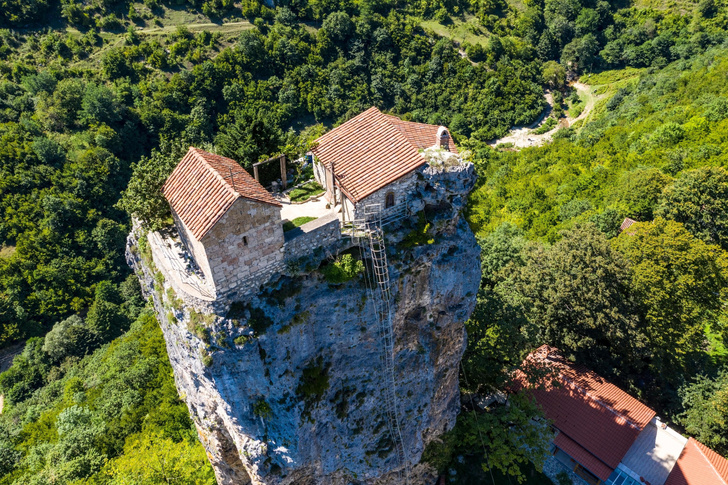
211, 27
524, 136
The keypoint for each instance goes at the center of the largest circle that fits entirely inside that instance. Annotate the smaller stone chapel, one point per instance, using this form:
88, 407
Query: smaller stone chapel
230, 224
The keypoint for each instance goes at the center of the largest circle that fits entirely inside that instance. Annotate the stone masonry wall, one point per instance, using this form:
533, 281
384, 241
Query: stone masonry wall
400, 187
324, 232
247, 240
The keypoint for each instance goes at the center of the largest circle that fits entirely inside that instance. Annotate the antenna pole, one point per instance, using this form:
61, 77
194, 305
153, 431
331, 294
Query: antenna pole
232, 178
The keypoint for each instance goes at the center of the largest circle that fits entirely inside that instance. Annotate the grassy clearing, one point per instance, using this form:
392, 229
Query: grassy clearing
225, 28
681, 6
297, 222
460, 31
6, 251
305, 192
603, 85
611, 77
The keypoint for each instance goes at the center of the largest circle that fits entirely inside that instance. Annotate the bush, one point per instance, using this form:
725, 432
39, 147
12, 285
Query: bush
314, 382
111, 23
563, 478
420, 235
206, 358
66, 338
262, 409
344, 269
546, 127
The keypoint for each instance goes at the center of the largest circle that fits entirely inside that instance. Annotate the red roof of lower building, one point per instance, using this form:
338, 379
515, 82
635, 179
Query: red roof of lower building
373, 150
583, 457
699, 465
595, 414
204, 186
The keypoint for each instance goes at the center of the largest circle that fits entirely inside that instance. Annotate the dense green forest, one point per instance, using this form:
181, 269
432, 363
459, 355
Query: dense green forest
98, 99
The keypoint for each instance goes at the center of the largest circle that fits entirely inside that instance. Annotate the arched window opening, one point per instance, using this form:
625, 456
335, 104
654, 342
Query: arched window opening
443, 138
389, 201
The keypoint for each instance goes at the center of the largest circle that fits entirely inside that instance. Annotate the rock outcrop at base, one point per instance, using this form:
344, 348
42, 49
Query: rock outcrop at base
287, 386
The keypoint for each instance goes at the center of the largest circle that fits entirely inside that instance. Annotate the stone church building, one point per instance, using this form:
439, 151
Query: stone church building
373, 159
229, 223
231, 227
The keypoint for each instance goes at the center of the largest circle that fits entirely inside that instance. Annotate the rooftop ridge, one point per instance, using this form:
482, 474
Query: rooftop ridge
198, 154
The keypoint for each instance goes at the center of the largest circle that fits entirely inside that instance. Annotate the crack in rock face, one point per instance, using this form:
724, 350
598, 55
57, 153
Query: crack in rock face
287, 387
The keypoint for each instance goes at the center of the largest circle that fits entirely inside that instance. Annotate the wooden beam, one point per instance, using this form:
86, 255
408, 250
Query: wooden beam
283, 172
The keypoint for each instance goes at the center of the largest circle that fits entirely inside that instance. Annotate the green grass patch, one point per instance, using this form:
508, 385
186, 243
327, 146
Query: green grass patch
297, 222
305, 192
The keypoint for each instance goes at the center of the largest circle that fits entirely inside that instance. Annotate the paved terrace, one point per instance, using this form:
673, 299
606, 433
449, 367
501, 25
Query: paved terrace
315, 207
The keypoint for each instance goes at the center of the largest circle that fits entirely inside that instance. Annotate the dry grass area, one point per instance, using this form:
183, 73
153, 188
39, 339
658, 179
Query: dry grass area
460, 31
6, 251
682, 6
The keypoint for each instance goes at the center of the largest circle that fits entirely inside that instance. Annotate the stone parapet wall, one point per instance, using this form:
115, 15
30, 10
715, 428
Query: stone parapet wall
324, 232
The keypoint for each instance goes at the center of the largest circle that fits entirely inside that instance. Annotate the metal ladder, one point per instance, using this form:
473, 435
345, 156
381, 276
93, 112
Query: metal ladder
379, 290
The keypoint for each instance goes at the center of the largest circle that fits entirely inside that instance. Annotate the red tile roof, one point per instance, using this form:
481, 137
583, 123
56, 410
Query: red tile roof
626, 224
421, 135
583, 457
373, 150
204, 186
699, 465
597, 415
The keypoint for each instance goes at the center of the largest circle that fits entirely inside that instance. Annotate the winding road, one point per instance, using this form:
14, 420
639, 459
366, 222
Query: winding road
524, 136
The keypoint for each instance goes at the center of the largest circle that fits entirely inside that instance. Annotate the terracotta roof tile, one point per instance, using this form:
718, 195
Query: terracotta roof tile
421, 135
203, 186
372, 150
626, 224
699, 465
599, 416
583, 457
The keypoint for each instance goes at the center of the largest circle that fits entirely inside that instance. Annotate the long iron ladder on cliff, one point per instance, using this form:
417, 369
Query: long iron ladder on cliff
379, 289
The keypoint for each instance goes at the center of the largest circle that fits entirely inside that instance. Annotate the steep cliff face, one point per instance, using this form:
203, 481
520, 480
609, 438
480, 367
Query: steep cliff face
287, 388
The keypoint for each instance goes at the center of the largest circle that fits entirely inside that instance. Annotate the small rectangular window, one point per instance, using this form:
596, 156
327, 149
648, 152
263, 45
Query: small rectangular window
245, 240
